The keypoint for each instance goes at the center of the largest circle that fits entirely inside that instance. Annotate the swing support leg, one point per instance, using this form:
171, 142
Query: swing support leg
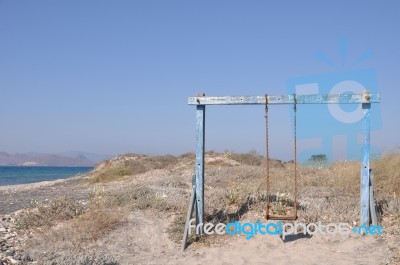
365, 170
200, 140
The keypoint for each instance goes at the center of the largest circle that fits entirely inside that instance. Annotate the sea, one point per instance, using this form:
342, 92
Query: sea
10, 175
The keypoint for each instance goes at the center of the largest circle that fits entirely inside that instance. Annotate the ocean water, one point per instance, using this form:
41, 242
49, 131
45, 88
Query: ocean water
10, 175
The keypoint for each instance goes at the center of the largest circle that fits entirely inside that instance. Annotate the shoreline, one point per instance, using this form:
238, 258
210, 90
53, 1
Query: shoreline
32, 185
21, 196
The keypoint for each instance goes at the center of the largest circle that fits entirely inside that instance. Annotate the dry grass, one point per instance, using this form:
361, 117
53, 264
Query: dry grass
246, 178
78, 234
233, 191
89, 227
71, 238
85, 258
326, 194
387, 174
142, 198
250, 159
128, 165
63, 225
47, 214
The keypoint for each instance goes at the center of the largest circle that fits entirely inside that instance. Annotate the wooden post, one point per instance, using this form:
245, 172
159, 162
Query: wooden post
365, 198
200, 140
372, 206
189, 214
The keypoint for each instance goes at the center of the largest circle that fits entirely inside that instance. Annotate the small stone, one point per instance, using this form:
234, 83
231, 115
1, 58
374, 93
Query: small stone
10, 252
26, 257
3, 230
8, 236
18, 257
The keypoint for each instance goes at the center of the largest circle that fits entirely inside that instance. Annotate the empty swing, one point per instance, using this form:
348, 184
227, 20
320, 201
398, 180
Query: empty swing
268, 207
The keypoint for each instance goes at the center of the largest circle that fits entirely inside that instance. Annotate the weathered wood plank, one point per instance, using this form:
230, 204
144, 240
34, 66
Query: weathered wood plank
372, 206
200, 140
189, 216
365, 164
286, 99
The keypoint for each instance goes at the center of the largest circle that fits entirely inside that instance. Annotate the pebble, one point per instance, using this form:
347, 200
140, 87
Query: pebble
26, 257
8, 236
10, 252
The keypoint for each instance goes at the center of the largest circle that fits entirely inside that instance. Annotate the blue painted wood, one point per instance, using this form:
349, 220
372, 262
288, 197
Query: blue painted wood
372, 206
286, 99
365, 180
189, 216
200, 140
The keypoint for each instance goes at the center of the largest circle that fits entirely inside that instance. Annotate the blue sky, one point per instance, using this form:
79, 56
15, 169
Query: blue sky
114, 76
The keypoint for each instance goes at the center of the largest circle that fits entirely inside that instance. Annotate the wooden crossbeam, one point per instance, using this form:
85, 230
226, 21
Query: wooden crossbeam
286, 99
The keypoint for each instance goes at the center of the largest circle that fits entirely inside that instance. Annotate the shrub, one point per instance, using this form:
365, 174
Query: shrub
49, 213
91, 258
129, 165
251, 158
319, 160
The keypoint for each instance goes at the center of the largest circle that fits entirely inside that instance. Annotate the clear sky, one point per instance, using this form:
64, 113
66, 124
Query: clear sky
114, 76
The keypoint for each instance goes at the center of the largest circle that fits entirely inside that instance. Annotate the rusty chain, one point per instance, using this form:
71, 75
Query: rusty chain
267, 173
295, 153
267, 154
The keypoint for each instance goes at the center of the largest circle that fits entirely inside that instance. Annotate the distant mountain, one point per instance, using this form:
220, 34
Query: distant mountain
36, 159
96, 158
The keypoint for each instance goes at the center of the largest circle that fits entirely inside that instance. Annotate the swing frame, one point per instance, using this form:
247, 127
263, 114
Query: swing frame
200, 101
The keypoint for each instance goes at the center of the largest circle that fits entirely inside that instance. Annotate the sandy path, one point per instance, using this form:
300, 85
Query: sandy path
143, 239
315, 250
